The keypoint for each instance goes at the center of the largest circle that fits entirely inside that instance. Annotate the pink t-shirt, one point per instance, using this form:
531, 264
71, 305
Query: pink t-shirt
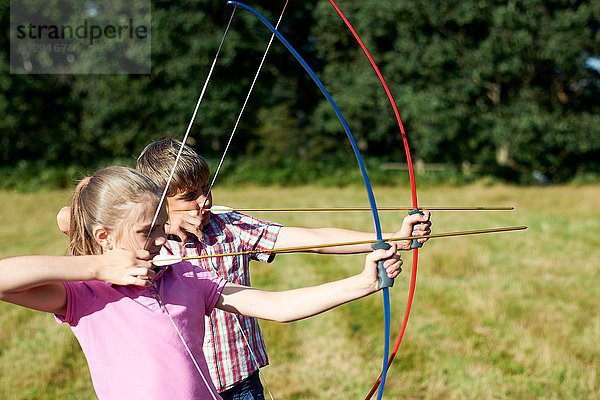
131, 347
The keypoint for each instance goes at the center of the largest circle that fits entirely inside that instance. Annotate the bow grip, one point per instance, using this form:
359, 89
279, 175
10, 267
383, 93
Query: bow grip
415, 243
383, 280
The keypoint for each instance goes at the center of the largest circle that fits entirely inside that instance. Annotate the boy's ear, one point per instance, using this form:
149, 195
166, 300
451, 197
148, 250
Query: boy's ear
103, 237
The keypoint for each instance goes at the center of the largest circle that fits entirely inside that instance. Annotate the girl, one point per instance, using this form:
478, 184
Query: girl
141, 330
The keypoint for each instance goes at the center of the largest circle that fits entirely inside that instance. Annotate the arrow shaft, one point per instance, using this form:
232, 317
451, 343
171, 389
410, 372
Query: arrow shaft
355, 209
296, 249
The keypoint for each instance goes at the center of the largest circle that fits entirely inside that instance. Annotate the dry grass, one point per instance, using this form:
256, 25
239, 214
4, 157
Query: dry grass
508, 316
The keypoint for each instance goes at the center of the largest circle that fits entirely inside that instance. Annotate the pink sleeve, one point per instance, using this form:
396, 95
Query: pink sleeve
213, 286
80, 297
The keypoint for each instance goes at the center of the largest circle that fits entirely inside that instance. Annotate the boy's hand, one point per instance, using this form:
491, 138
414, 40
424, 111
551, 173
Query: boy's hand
125, 267
414, 225
63, 220
184, 224
393, 265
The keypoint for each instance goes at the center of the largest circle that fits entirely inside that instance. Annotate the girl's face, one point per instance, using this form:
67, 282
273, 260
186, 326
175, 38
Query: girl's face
134, 232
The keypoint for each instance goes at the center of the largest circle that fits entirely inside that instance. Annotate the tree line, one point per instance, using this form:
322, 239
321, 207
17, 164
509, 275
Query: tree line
511, 89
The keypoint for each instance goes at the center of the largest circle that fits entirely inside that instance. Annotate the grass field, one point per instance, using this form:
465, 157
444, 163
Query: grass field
507, 316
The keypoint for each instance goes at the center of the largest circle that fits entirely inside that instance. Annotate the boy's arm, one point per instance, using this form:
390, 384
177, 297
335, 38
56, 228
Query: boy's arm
296, 304
412, 225
36, 281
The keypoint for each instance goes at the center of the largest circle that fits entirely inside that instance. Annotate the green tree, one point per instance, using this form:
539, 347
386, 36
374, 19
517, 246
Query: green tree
502, 85
507, 86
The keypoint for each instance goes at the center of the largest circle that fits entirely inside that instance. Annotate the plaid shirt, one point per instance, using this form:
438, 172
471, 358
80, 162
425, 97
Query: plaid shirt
227, 354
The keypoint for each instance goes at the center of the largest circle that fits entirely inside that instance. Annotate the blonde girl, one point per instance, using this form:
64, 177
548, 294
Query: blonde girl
140, 330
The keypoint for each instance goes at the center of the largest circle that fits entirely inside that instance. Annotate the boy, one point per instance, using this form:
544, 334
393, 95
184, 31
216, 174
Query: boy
233, 345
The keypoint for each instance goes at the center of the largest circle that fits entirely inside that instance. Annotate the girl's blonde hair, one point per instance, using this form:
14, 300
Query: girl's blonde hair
105, 200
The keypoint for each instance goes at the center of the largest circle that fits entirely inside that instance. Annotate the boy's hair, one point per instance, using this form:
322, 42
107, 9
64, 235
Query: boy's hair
157, 159
106, 199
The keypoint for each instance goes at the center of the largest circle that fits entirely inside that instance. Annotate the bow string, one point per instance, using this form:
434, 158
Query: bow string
162, 201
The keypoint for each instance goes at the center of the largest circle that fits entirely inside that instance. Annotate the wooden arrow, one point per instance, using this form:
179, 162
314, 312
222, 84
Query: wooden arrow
166, 259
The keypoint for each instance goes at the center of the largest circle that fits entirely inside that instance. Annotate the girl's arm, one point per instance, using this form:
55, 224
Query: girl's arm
36, 281
292, 305
416, 224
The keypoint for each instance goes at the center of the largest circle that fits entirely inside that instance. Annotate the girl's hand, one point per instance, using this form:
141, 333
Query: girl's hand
125, 267
393, 265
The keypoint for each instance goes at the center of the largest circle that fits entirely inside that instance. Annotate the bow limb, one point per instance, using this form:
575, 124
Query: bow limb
384, 282
413, 186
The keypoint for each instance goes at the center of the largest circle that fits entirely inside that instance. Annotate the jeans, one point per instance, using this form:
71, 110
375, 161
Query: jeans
248, 389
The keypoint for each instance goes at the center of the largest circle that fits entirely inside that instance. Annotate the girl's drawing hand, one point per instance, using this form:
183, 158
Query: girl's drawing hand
125, 267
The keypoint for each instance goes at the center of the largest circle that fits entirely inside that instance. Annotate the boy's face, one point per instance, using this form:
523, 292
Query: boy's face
195, 204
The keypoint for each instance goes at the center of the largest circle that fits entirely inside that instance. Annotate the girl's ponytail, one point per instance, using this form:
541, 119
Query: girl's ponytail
81, 240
